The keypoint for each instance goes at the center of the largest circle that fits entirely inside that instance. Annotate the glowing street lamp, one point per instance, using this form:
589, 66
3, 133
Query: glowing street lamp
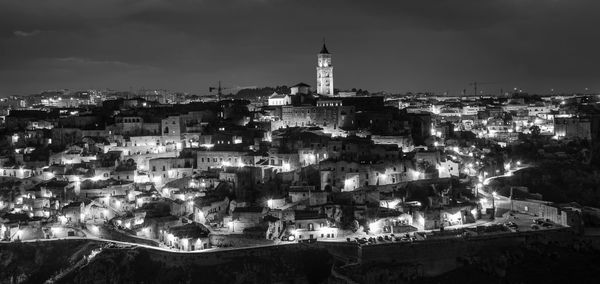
416, 175
95, 230
373, 226
62, 219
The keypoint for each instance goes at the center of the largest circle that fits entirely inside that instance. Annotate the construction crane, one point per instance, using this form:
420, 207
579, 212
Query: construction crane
219, 90
475, 84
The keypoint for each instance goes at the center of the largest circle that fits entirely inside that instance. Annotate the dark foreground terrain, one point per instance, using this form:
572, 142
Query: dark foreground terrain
80, 261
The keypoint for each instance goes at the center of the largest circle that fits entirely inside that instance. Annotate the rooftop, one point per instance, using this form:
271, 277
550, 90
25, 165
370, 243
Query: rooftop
191, 230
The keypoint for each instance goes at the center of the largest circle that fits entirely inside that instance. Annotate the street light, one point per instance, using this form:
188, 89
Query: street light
493, 206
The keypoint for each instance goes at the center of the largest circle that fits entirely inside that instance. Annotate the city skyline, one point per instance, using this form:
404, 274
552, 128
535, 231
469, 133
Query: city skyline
288, 141
435, 46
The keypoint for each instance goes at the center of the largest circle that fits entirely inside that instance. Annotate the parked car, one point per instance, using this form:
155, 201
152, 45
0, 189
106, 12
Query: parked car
535, 227
511, 225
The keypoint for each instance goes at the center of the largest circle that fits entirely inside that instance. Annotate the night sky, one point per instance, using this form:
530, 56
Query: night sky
394, 46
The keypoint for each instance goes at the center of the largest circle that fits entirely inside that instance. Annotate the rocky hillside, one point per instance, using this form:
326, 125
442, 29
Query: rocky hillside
39, 262
80, 261
280, 264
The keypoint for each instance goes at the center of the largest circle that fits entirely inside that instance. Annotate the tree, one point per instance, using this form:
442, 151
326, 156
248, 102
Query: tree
425, 167
535, 131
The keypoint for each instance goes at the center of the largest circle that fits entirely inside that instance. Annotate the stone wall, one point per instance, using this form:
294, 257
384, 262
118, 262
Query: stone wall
236, 240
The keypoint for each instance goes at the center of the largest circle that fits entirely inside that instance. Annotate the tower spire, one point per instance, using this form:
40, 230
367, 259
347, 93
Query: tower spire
324, 48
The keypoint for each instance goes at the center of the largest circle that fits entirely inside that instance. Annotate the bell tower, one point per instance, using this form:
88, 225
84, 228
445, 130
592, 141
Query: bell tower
324, 72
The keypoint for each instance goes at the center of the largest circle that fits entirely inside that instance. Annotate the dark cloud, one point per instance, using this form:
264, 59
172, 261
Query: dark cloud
26, 34
388, 45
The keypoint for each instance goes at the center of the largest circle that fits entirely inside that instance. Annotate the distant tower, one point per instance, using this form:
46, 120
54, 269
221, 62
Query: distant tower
324, 73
